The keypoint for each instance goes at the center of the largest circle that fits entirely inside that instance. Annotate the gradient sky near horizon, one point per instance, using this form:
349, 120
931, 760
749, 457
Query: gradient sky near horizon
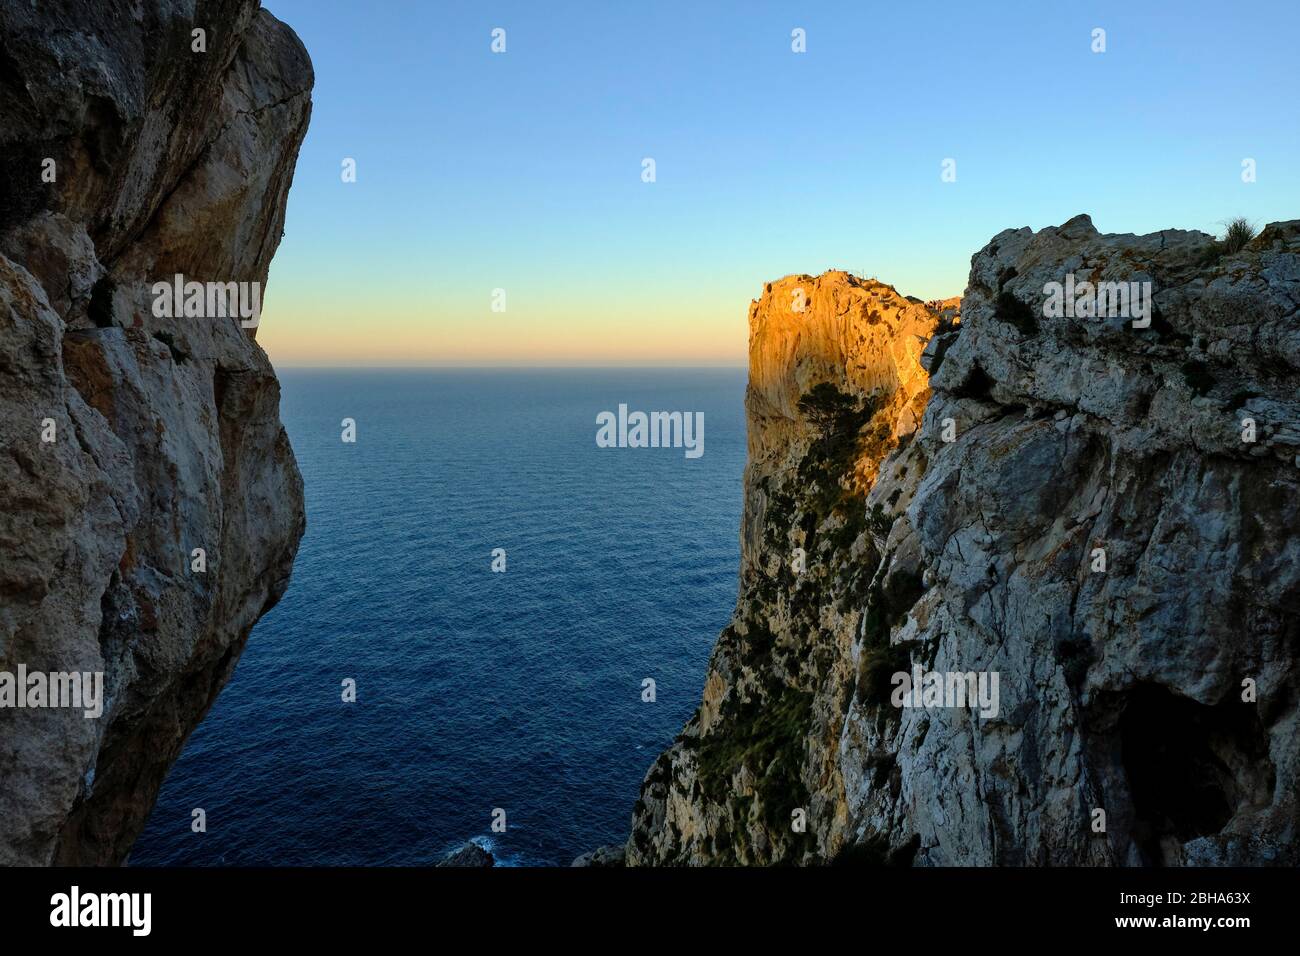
522, 170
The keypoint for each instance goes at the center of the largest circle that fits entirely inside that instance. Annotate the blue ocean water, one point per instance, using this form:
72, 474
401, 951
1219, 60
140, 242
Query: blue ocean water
475, 690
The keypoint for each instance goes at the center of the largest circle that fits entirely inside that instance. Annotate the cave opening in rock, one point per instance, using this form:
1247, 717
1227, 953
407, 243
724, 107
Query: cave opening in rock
1190, 767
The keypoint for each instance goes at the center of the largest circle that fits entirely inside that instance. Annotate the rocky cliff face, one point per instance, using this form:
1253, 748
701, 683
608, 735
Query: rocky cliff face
129, 440
1103, 516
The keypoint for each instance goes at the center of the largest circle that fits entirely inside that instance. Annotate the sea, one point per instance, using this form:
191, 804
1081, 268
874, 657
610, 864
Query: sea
515, 696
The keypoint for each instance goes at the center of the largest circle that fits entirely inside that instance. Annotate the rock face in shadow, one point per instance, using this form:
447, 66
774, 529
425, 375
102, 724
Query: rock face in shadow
166, 430
1104, 516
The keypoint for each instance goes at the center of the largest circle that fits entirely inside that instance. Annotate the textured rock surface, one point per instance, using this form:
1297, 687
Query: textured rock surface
168, 432
1120, 689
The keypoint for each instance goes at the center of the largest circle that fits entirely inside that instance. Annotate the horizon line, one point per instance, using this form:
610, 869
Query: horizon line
474, 367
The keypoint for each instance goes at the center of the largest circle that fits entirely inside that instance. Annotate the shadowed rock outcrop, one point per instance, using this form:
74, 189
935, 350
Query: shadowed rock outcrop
1105, 516
166, 431
469, 854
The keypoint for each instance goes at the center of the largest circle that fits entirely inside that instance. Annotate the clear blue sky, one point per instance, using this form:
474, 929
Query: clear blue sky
523, 170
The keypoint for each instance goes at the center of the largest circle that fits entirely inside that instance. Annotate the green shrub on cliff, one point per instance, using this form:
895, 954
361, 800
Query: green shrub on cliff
1239, 232
767, 737
1236, 236
839, 418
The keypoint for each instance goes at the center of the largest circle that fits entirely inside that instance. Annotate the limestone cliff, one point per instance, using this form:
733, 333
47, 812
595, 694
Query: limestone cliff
133, 148
1104, 515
